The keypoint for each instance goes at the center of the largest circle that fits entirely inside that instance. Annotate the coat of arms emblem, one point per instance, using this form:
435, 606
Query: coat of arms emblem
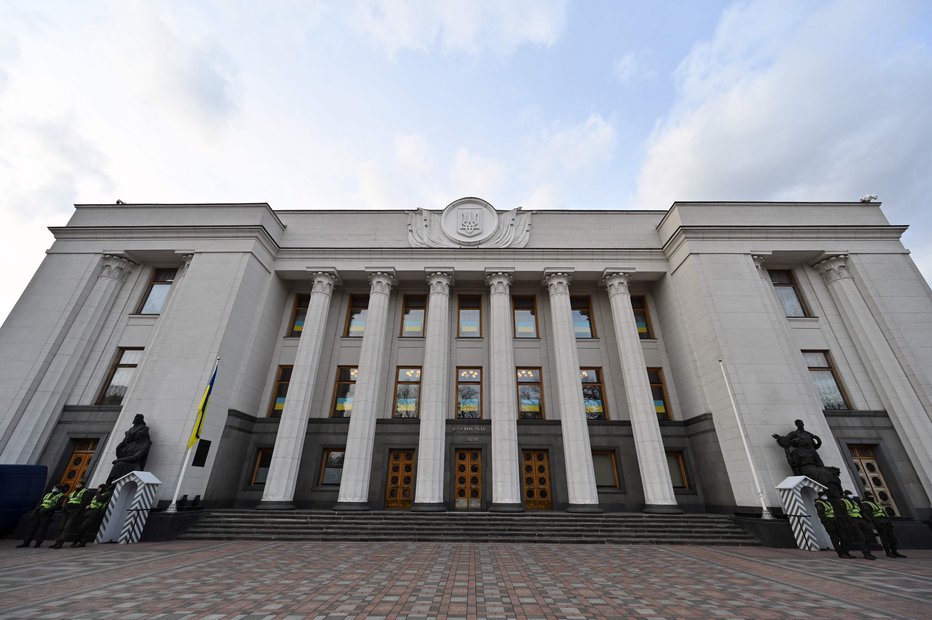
469, 221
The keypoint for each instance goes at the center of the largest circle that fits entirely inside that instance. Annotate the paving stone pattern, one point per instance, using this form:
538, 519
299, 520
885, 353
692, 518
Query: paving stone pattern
291, 580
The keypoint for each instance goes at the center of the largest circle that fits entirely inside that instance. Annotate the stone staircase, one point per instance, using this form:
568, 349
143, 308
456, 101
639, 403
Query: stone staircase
554, 527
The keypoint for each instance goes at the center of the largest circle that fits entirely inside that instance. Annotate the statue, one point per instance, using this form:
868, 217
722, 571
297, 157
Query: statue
801, 449
132, 452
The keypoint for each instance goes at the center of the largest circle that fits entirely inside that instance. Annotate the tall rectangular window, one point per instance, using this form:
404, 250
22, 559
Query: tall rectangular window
785, 286
583, 325
356, 316
470, 316
413, 316
407, 392
825, 380
331, 467
642, 317
469, 393
593, 393
260, 469
282, 378
659, 392
677, 465
157, 293
121, 376
606, 470
298, 314
525, 316
343, 392
530, 394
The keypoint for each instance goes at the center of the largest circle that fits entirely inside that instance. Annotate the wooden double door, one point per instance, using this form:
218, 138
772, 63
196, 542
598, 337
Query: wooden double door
467, 479
399, 486
535, 472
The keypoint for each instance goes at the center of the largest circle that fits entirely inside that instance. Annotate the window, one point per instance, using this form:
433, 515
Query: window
356, 316
470, 316
606, 471
583, 325
677, 465
872, 479
298, 314
412, 318
642, 317
343, 392
121, 376
280, 391
530, 394
659, 392
331, 467
593, 393
260, 471
785, 286
525, 313
157, 294
826, 383
469, 393
407, 392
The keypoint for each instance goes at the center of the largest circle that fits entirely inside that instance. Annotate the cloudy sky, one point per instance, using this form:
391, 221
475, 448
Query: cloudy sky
402, 104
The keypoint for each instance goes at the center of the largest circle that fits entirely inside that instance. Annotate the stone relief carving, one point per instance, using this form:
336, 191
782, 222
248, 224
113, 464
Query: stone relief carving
439, 283
499, 283
380, 283
616, 283
558, 283
833, 268
469, 222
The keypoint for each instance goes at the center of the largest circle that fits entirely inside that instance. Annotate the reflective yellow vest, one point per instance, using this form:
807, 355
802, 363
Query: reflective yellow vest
75, 498
876, 509
51, 500
854, 511
828, 509
98, 501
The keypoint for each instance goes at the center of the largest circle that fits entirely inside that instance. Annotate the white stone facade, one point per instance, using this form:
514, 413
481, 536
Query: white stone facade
701, 270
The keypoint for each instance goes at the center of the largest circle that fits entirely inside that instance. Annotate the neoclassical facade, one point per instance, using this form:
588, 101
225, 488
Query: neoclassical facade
469, 358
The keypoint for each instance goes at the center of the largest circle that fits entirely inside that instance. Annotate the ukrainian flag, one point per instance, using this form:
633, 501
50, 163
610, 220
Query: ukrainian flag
202, 409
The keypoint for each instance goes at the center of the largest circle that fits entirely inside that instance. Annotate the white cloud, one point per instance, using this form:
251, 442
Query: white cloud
636, 66
465, 26
474, 175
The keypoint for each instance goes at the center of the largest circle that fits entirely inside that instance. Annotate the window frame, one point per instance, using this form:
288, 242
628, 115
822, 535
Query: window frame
514, 317
294, 314
593, 334
680, 456
456, 393
152, 283
601, 384
647, 318
539, 383
663, 388
614, 458
323, 467
459, 320
349, 315
260, 450
794, 285
831, 368
398, 381
275, 386
114, 366
336, 389
404, 314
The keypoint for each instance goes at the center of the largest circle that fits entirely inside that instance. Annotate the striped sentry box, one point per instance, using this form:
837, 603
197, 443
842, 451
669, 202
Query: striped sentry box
133, 497
797, 509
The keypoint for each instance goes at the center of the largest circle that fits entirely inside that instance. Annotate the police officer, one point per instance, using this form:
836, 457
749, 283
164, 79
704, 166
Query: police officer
73, 513
856, 531
877, 516
42, 515
93, 516
828, 518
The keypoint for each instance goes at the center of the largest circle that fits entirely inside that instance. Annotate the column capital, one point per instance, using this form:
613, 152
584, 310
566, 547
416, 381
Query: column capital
381, 282
761, 269
439, 282
617, 283
322, 282
558, 282
833, 268
499, 282
115, 267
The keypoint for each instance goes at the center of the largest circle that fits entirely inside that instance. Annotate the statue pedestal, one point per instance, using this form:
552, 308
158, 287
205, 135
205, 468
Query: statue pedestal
133, 497
798, 495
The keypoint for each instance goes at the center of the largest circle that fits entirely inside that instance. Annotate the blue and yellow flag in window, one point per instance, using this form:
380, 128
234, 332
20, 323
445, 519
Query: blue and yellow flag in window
202, 408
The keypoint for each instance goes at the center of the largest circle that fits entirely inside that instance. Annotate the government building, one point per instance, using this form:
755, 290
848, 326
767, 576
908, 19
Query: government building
475, 358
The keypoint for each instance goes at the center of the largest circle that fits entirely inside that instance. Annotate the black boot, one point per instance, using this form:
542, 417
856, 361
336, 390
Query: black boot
57, 544
897, 554
82, 544
38, 544
869, 556
74, 544
25, 543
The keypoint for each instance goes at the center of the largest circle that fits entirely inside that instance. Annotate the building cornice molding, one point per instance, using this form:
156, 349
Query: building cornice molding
158, 233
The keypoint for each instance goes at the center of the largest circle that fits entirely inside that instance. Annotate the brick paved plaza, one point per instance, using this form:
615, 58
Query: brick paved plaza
214, 580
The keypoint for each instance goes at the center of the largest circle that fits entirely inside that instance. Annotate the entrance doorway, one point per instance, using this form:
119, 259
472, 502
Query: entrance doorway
399, 488
77, 464
872, 478
535, 465
467, 480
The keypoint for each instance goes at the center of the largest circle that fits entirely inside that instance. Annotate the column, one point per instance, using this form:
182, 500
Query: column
580, 476
909, 418
292, 428
503, 408
652, 460
357, 463
428, 493
41, 413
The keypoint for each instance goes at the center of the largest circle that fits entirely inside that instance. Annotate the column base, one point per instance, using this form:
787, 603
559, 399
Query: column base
662, 509
502, 507
585, 508
429, 507
352, 507
275, 506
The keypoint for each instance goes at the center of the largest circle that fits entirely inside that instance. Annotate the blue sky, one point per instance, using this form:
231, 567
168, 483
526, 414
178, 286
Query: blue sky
404, 104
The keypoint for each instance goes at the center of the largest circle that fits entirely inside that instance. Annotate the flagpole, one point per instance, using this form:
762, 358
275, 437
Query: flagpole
198, 421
